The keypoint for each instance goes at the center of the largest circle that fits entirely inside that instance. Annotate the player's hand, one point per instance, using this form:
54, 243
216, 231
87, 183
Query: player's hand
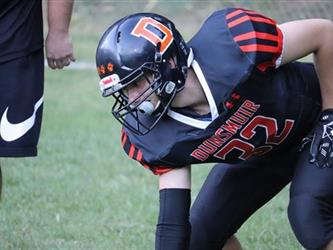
59, 50
321, 150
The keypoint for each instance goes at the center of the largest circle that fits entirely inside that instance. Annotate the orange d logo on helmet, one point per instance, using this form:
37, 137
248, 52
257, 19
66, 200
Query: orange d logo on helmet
141, 30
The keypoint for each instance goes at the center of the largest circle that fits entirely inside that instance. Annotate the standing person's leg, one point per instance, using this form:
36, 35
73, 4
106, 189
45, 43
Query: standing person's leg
232, 193
21, 105
310, 208
232, 244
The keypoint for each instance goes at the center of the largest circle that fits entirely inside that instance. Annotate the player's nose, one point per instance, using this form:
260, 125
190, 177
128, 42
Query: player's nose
133, 94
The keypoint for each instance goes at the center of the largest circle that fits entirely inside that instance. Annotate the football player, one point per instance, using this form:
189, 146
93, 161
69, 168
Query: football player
233, 95
22, 68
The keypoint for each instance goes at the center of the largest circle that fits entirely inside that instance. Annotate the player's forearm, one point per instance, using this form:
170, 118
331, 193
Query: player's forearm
323, 59
173, 229
59, 14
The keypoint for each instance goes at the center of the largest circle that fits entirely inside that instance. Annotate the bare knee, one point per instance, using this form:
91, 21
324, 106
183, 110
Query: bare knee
329, 246
232, 244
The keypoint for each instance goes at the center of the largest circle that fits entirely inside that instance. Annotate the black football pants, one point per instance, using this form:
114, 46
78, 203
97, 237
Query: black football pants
232, 193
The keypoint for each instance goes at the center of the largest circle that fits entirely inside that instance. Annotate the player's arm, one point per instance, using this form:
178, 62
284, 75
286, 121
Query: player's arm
173, 227
304, 37
59, 49
315, 36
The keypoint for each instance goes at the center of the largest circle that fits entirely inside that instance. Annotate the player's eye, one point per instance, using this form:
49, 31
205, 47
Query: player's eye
133, 85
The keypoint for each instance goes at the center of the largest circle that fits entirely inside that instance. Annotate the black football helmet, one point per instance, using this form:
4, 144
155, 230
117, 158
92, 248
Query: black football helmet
137, 46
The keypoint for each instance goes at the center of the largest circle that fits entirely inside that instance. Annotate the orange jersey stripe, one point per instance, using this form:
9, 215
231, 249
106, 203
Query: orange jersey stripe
238, 21
234, 13
160, 171
252, 12
131, 151
124, 139
239, 11
262, 20
146, 166
139, 156
254, 34
248, 18
259, 47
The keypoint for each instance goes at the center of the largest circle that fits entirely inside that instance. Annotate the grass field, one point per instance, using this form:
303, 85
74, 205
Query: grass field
83, 193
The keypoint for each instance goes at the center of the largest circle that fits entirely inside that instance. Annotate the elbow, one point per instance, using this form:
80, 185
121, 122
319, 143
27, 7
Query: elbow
324, 36
327, 31
330, 31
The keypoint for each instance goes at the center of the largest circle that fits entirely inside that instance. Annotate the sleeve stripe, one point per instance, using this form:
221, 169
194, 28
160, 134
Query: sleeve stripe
123, 138
234, 13
131, 151
136, 154
239, 11
258, 47
161, 171
139, 156
146, 166
253, 34
248, 18
262, 20
238, 21
257, 36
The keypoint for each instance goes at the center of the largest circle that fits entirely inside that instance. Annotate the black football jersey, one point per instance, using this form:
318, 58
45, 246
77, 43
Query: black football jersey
21, 28
256, 107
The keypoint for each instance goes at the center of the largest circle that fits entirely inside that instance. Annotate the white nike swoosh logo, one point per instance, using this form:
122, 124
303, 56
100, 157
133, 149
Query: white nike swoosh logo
12, 131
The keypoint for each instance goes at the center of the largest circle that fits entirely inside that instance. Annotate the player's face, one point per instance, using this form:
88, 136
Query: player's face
137, 91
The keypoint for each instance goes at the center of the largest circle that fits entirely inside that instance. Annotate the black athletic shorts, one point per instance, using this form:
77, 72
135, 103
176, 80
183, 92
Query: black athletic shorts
21, 104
